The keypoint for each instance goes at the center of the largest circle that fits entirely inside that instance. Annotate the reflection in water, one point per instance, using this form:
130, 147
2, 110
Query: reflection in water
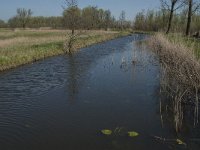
181, 115
111, 85
188, 132
176, 104
72, 78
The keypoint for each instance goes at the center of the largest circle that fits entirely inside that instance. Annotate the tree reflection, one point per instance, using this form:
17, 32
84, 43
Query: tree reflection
72, 78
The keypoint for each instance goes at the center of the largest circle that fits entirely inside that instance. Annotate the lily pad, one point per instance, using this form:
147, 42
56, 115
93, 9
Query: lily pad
180, 142
106, 132
133, 134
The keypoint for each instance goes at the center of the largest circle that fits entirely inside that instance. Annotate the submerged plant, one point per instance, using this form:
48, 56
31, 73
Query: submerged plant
172, 142
180, 142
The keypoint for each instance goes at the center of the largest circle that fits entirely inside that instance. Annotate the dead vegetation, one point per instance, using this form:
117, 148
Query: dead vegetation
180, 77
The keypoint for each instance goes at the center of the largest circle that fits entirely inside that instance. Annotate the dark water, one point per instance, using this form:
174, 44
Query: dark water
64, 102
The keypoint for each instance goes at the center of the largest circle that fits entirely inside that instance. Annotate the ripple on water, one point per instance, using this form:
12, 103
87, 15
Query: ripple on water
37, 100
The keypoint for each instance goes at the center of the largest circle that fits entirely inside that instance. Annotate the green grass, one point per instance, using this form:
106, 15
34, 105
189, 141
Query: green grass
189, 42
8, 34
26, 46
144, 32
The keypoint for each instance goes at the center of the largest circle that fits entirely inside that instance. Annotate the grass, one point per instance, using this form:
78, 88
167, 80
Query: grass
180, 74
191, 43
7, 34
144, 32
18, 47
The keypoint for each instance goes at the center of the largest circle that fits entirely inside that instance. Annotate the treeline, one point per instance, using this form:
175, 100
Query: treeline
36, 22
94, 18
174, 16
150, 20
157, 21
2, 24
88, 18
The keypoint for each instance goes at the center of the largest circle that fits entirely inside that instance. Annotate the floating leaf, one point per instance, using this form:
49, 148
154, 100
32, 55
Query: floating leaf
106, 132
133, 134
180, 142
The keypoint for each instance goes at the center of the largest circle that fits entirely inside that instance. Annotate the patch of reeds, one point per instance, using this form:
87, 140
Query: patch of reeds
180, 76
189, 42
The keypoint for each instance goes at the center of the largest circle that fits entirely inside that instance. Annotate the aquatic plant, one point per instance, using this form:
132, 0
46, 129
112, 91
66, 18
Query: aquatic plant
179, 77
119, 131
106, 132
133, 133
170, 141
180, 142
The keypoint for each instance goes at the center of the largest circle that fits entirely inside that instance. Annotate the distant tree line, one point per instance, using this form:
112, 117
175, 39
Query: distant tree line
90, 17
2, 24
37, 22
174, 16
94, 18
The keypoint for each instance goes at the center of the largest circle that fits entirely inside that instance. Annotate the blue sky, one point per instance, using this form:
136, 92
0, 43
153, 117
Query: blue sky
53, 7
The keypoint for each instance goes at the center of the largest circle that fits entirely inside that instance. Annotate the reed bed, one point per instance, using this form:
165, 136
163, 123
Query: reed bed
188, 42
180, 76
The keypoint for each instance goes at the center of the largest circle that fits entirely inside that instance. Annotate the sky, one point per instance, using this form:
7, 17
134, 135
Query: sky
53, 7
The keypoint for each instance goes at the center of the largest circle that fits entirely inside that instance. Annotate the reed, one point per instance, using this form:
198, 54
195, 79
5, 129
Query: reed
180, 75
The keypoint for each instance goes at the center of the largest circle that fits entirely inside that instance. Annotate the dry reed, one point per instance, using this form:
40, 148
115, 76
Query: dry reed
180, 78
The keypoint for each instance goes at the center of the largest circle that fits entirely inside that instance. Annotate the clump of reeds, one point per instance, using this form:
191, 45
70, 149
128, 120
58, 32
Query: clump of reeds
180, 75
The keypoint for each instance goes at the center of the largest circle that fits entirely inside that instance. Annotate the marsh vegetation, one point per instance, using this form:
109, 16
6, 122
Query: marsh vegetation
179, 75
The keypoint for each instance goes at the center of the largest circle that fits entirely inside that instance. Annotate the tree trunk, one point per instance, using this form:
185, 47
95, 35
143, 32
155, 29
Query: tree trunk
72, 31
23, 24
170, 18
189, 17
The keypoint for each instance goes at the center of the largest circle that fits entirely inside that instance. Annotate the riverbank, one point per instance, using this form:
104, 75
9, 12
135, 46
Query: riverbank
19, 47
180, 78
191, 43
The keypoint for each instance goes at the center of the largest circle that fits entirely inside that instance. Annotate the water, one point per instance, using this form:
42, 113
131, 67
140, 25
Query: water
64, 102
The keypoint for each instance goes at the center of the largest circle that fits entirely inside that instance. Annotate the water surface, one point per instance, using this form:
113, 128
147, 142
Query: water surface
64, 102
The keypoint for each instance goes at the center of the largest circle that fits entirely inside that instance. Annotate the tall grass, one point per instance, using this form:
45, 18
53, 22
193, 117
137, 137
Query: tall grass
189, 42
24, 46
180, 75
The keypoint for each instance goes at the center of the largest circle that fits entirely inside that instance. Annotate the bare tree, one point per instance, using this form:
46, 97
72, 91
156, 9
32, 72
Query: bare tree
23, 16
72, 17
107, 19
193, 6
189, 17
172, 6
71, 14
122, 19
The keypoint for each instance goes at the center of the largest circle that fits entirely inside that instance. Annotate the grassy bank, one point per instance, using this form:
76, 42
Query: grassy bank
190, 43
144, 32
180, 75
18, 47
